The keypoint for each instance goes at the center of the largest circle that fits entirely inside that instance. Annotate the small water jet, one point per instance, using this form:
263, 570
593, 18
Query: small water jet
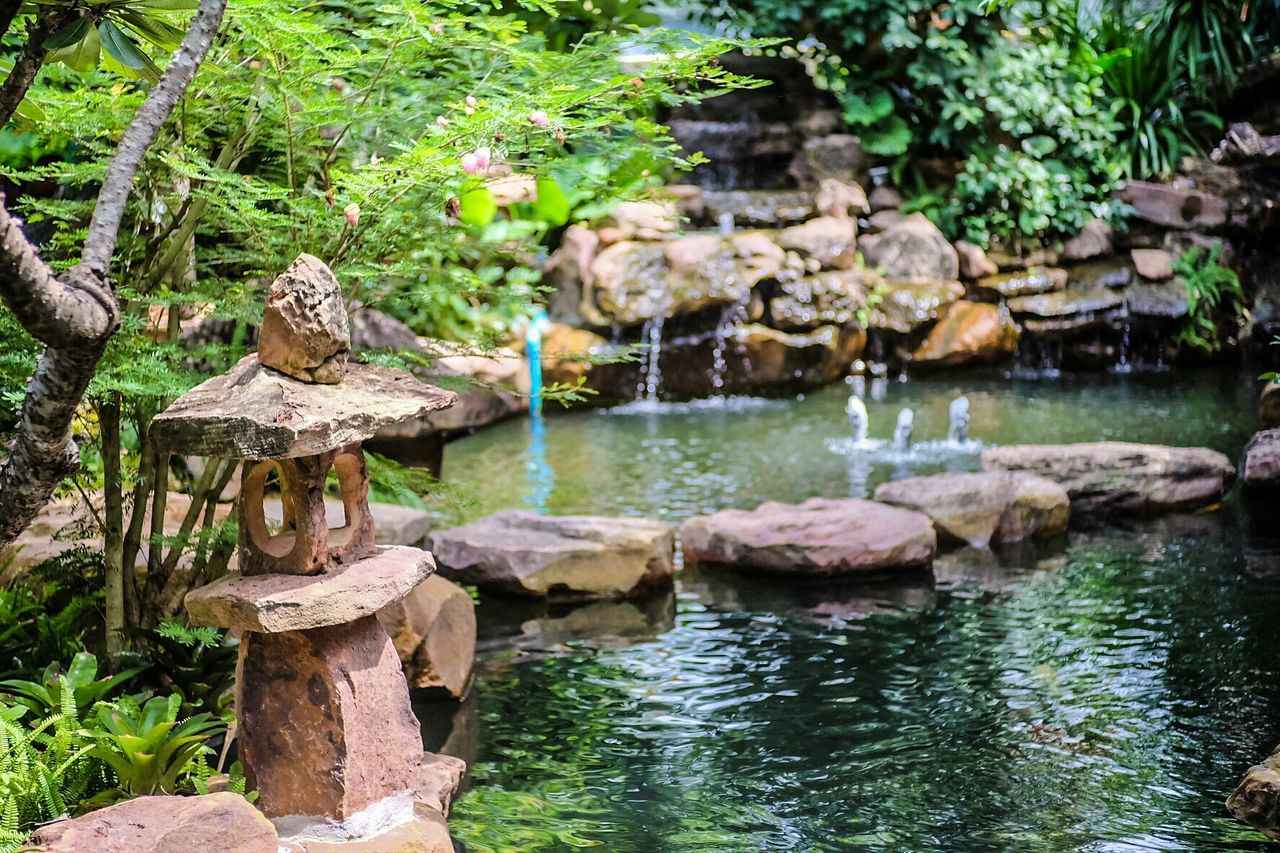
902, 432
859, 423
958, 421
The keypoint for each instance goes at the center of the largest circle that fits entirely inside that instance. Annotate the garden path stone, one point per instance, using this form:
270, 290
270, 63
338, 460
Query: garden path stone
517, 552
982, 508
820, 538
1119, 477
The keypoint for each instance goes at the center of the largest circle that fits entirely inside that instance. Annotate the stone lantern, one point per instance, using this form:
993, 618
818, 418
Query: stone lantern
326, 731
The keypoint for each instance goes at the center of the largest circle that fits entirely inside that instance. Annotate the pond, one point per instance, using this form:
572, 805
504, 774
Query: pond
1103, 693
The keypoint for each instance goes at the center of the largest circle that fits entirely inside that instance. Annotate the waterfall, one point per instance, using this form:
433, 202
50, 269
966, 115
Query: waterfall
902, 432
958, 421
650, 370
730, 320
1123, 356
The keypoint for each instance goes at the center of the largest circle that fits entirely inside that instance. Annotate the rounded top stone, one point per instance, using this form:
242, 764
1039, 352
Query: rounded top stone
305, 330
251, 412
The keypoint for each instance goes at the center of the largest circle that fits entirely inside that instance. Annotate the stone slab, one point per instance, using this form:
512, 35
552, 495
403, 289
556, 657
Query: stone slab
273, 603
254, 412
986, 507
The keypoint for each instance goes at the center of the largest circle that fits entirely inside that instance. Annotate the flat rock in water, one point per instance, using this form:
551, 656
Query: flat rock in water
272, 603
223, 822
1112, 476
521, 553
984, 507
251, 412
820, 538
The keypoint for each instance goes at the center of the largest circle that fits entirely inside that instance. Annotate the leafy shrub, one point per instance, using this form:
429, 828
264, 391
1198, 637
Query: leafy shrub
1215, 299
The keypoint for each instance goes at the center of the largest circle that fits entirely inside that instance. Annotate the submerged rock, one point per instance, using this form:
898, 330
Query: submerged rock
1119, 477
968, 332
1256, 800
982, 508
819, 538
521, 553
223, 822
1261, 467
912, 248
907, 305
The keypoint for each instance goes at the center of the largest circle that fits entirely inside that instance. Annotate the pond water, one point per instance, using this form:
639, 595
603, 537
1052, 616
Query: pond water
1102, 693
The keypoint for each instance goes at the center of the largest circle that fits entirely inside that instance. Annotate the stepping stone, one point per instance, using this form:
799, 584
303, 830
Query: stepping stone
1261, 466
1118, 477
819, 538
517, 552
981, 508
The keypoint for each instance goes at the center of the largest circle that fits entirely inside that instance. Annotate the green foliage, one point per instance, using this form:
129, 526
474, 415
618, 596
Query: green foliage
1215, 298
146, 746
80, 683
45, 770
1049, 169
196, 664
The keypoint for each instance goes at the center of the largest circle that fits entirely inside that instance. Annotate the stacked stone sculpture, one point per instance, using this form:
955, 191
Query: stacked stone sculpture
326, 731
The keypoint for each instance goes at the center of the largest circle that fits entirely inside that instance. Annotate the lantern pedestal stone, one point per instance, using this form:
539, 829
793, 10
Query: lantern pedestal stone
326, 730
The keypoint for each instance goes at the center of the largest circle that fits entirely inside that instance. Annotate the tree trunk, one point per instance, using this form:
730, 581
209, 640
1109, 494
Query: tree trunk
113, 534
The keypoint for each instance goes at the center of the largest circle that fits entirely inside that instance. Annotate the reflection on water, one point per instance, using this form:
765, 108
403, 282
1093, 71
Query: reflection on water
1102, 693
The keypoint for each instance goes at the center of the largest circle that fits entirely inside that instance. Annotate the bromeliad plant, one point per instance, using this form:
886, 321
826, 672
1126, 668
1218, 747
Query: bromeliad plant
148, 749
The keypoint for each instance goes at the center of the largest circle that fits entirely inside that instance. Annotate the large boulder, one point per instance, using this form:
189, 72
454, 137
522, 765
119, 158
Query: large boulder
830, 240
1119, 477
521, 553
224, 822
637, 281
974, 262
1256, 800
1261, 467
912, 248
819, 538
968, 332
906, 305
982, 508
434, 631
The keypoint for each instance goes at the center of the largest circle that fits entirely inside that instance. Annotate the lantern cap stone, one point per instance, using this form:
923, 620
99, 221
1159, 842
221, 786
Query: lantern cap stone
305, 330
274, 603
254, 412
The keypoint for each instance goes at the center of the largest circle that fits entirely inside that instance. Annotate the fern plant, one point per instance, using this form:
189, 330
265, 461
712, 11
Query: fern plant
1214, 297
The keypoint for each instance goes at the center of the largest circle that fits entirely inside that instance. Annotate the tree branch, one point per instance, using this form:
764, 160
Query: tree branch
154, 112
27, 65
76, 313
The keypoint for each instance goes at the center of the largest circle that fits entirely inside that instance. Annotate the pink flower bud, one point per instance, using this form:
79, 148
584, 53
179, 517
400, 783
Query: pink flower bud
476, 162
441, 121
471, 100
352, 212
539, 118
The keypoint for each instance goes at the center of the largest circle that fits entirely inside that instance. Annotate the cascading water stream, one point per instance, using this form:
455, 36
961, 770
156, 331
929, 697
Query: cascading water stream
541, 476
651, 370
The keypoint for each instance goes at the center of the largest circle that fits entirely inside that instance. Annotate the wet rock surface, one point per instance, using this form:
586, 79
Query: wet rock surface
1123, 478
907, 305
1256, 800
520, 553
818, 538
1261, 466
983, 508
968, 332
